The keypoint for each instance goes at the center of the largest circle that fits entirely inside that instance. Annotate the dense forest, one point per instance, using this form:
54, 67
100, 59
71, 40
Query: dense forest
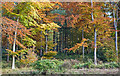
60, 37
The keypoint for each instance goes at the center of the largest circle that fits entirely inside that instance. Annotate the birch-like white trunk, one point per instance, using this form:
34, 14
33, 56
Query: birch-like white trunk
95, 37
116, 32
13, 62
115, 25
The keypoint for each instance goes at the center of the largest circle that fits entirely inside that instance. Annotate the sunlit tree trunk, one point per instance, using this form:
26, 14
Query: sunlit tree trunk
13, 63
116, 31
115, 25
83, 46
95, 35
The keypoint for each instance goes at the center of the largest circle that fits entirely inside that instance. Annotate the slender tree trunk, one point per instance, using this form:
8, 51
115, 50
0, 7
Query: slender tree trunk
41, 51
46, 38
54, 40
41, 46
116, 33
13, 63
95, 46
83, 46
21, 48
0, 38
60, 40
95, 37
0, 45
72, 37
115, 25
57, 41
8, 53
77, 40
66, 40
63, 39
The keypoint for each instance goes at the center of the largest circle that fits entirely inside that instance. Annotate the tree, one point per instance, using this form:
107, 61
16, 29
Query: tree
0, 46
36, 19
115, 25
95, 35
13, 63
83, 46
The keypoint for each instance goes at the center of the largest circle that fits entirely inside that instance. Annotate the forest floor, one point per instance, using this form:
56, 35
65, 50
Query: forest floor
67, 71
93, 71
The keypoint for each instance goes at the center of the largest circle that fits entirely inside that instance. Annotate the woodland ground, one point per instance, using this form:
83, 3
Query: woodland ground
68, 68
70, 71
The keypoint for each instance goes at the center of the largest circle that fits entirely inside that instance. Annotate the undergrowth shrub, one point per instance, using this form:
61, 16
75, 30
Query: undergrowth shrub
88, 64
46, 64
69, 63
100, 66
6, 64
27, 60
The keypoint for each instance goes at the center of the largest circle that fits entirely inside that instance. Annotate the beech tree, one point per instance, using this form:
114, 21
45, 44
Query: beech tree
115, 16
95, 37
13, 63
32, 19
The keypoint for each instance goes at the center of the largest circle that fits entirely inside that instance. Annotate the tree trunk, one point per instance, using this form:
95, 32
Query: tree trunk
46, 41
41, 46
63, 39
83, 46
115, 25
60, 40
21, 48
95, 46
72, 37
95, 35
54, 40
0, 47
8, 53
57, 41
116, 33
13, 63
